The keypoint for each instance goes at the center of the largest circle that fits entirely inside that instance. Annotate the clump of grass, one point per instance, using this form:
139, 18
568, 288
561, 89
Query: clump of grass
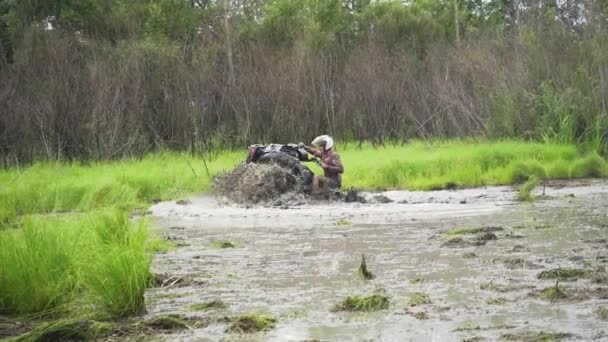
416, 281
554, 293
158, 245
68, 330
363, 272
468, 326
418, 298
536, 336
251, 323
343, 222
565, 274
458, 231
214, 304
525, 191
167, 323
50, 261
374, 302
219, 244
590, 166
496, 301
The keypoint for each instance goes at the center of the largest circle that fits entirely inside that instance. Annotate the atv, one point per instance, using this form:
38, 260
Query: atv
289, 156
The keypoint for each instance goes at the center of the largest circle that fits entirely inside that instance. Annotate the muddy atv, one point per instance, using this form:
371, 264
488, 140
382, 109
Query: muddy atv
289, 157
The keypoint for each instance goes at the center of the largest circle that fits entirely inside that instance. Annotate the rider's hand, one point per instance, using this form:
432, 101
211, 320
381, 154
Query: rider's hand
323, 165
301, 145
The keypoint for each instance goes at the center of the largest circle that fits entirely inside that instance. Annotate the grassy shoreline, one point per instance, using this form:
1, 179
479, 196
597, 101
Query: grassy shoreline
92, 256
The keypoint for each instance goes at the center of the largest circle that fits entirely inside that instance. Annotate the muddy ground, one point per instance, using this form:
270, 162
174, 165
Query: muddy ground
296, 261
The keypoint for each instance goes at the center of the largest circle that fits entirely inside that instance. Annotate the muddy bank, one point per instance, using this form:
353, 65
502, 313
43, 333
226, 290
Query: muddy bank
297, 262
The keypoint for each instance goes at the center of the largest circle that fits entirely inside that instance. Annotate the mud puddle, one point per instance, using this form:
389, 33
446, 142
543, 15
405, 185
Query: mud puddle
297, 264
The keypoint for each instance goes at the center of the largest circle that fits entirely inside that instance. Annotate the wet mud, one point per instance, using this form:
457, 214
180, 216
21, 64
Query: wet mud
513, 271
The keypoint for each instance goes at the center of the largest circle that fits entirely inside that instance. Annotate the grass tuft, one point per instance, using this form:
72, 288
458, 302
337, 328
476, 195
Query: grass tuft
214, 304
363, 272
419, 298
251, 323
219, 244
343, 222
458, 231
554, 293
565, 274
525, 191
534, 336
374, 302
68, 330
50, 261
167, 323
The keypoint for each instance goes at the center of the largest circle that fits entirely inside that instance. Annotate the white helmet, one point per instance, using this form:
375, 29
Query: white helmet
329, 141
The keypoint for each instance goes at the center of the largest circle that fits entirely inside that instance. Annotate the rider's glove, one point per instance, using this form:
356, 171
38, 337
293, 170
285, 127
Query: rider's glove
301, 145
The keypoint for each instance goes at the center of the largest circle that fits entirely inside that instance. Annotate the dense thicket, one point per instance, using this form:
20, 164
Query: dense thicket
108, 78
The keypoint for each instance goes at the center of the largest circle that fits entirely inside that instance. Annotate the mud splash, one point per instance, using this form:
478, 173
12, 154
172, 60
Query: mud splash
296, 263
258, 183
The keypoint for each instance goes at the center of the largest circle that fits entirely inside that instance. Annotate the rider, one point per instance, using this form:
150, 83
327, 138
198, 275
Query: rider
330, 163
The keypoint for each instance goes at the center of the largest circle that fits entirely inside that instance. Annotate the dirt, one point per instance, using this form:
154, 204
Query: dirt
295, 263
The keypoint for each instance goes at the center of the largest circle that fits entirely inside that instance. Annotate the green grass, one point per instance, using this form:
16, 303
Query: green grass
214, 304
374, 302
525, 191
54, 187
52, 264
418, 298
251, 323
419, 166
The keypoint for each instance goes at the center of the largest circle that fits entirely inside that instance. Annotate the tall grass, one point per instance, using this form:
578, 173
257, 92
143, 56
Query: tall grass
438, 165
50, 262
53, 187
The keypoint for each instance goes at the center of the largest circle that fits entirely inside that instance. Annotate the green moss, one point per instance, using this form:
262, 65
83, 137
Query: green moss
374, 302
419, 298
251, 323
214, 304
363, 272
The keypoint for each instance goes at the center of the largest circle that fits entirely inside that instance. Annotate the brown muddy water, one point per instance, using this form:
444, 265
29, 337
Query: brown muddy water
297, 262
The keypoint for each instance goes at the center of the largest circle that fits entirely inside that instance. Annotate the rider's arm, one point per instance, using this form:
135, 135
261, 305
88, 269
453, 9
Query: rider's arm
312, 151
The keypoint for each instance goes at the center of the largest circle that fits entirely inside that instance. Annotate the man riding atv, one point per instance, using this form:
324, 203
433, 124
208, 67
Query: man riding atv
330, 163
